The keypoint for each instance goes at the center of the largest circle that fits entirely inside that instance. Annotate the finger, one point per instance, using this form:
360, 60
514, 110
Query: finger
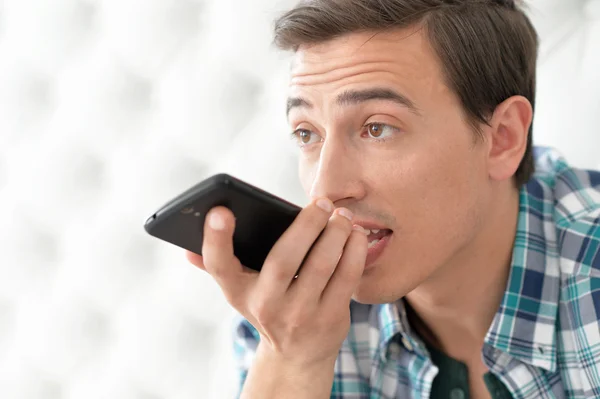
349, 270
323, 257
217, 252
195, 259
289, 251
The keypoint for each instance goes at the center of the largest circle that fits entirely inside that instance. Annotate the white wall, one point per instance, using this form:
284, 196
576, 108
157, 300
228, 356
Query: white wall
107, 108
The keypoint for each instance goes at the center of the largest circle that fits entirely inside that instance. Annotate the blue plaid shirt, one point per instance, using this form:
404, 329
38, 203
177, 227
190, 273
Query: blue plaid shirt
544, 341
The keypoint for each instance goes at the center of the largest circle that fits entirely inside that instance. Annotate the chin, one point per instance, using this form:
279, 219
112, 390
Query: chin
374, 293
374, 298
377, 287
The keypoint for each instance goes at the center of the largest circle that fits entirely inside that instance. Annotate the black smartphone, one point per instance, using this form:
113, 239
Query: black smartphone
261, 217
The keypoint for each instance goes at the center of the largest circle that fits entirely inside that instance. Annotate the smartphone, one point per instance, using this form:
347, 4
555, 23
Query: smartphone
261, 217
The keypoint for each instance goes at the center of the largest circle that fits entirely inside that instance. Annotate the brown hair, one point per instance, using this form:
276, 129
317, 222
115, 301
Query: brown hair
487, 48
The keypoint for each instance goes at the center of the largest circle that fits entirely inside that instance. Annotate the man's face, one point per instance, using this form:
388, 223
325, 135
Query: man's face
382, 135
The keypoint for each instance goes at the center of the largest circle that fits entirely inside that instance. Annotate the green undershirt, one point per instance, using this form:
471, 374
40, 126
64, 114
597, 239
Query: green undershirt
452, 380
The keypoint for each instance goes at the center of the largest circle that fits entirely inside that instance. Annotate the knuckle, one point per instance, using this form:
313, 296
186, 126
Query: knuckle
298, 318
351, 270
236, 301
314, 217
217, 271
352, 274
322, 269
300, 322
279, 272
209, 264
343, 275
261, 312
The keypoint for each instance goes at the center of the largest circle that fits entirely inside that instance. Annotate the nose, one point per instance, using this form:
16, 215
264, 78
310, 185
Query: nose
337, 175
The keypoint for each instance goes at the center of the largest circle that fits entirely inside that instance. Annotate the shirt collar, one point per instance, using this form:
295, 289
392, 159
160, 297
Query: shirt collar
525, 324
393, 325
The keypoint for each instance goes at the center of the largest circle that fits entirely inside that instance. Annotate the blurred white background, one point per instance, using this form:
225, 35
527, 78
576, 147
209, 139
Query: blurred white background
110, 107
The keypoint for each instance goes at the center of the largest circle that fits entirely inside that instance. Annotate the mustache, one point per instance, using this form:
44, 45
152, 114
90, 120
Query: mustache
362, 210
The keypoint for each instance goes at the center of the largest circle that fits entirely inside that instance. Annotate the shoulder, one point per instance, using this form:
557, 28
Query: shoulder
574, 192
570, 199
577, 198
571, 205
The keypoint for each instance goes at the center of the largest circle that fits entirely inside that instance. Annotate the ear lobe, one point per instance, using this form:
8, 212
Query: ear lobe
509, 132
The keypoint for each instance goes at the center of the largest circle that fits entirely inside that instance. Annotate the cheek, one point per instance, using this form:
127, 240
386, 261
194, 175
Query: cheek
451, 190
442, 198
452, 165
306, 174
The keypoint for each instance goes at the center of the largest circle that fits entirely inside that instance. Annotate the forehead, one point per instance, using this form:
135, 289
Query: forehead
398, 57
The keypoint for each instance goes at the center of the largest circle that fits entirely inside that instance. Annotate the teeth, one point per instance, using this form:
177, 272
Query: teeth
375, 231
372, 243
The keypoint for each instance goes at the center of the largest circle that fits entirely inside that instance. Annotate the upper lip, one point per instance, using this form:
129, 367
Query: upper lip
369, 225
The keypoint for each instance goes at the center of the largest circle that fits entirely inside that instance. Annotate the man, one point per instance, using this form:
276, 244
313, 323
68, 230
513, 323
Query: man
447, 267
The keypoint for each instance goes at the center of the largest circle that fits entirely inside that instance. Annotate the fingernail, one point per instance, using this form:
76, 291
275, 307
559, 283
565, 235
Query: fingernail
359, 228
346, 213
216, 221
325, 204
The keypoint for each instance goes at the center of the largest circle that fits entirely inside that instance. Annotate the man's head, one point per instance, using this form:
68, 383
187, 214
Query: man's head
415, 115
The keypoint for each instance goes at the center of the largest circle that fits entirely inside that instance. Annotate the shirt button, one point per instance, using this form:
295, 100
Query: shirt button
395, 350
407, 344
457, 393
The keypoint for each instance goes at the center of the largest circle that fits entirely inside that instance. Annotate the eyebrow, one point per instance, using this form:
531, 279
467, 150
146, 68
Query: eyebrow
355, 97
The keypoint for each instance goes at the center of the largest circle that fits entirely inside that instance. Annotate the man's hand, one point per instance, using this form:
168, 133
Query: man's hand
302, 321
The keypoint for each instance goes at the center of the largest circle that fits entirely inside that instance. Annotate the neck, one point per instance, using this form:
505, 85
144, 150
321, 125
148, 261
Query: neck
454, 309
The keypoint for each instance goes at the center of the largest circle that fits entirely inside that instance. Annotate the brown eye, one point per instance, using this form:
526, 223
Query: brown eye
304, 136
380, 131
375, 129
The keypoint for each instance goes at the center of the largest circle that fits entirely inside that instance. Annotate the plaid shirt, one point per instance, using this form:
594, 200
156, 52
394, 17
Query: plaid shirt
544, 341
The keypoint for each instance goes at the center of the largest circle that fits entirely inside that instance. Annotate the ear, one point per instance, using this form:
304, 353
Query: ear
509, 129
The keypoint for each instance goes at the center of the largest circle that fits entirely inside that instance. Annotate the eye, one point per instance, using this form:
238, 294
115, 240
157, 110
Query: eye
380, 130
305, 137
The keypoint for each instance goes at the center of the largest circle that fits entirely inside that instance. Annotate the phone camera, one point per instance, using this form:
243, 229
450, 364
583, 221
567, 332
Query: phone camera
187, 210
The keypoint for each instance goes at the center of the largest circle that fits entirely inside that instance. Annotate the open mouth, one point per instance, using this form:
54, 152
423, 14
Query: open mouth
376, 235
